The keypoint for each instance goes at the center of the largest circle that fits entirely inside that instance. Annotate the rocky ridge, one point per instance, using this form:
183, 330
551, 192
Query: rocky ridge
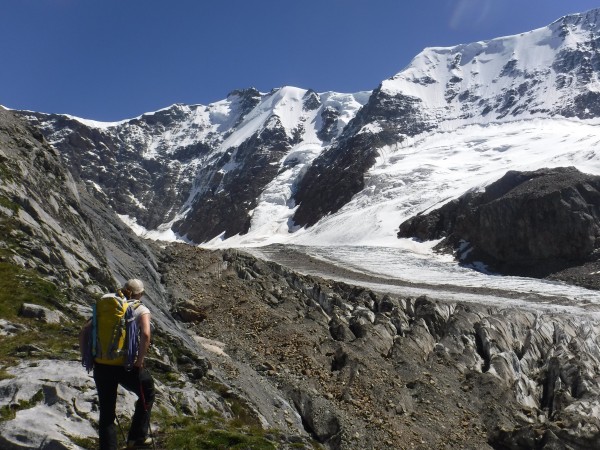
534, 223
198, 170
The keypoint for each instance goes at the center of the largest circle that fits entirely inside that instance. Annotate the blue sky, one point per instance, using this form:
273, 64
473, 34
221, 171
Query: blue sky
115, 59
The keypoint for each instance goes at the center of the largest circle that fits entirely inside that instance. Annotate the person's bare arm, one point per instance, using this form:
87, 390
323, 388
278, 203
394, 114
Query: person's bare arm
144, 324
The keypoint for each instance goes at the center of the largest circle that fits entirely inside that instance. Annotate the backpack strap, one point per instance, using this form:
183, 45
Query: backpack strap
94, 330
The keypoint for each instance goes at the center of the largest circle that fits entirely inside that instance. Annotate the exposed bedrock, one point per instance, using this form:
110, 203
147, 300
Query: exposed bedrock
532, 223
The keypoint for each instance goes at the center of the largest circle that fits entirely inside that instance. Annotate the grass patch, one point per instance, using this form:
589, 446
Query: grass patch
18, 286
4, 375
9, 412
52, 342
5, 172
242, 414
8, 204
209, 431
84, 442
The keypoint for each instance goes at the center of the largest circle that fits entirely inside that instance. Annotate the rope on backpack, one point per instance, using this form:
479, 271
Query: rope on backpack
89, 343
132, 339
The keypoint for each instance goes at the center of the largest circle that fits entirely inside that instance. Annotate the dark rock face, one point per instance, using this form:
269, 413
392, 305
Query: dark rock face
532, 222
333, 179
338, 173
114, 163
247, 100
154, 189
328, 129
311, 100
225, 198
168, 166
320, 421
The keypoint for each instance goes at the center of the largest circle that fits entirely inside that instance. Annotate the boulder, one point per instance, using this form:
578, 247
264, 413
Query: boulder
41, 313
188, 311
318, 416
339, 329
8, 328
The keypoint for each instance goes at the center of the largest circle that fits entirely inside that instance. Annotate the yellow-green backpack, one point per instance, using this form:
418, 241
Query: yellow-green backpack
114, 339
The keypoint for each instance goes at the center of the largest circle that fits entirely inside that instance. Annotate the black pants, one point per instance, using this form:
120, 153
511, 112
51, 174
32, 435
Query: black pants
138, 381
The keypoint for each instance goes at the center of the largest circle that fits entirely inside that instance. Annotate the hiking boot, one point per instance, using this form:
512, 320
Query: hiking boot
140, 443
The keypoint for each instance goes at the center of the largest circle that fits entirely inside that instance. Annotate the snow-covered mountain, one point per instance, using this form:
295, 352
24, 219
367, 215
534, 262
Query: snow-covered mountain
546, 72
293, 165
201, 170
552, 72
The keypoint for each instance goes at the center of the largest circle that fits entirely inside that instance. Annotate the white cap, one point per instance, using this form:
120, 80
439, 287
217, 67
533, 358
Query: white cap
134, 285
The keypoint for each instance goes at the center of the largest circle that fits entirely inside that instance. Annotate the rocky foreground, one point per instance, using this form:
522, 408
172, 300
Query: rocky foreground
369, 370
335, 366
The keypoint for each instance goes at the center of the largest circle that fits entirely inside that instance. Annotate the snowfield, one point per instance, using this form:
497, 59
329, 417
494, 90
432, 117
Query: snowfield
419, 176
416, 177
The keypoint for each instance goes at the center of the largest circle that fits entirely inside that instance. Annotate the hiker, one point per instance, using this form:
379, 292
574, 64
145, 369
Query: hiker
112, 368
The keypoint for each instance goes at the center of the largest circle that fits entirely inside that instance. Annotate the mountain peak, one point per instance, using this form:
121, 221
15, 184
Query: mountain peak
589, 20
550, 71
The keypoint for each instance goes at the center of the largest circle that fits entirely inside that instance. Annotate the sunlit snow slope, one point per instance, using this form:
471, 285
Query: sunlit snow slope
549, 71
432, 169
514, 103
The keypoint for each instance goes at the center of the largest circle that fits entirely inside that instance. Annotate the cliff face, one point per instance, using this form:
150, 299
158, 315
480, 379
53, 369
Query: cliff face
43, 212
533, 223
